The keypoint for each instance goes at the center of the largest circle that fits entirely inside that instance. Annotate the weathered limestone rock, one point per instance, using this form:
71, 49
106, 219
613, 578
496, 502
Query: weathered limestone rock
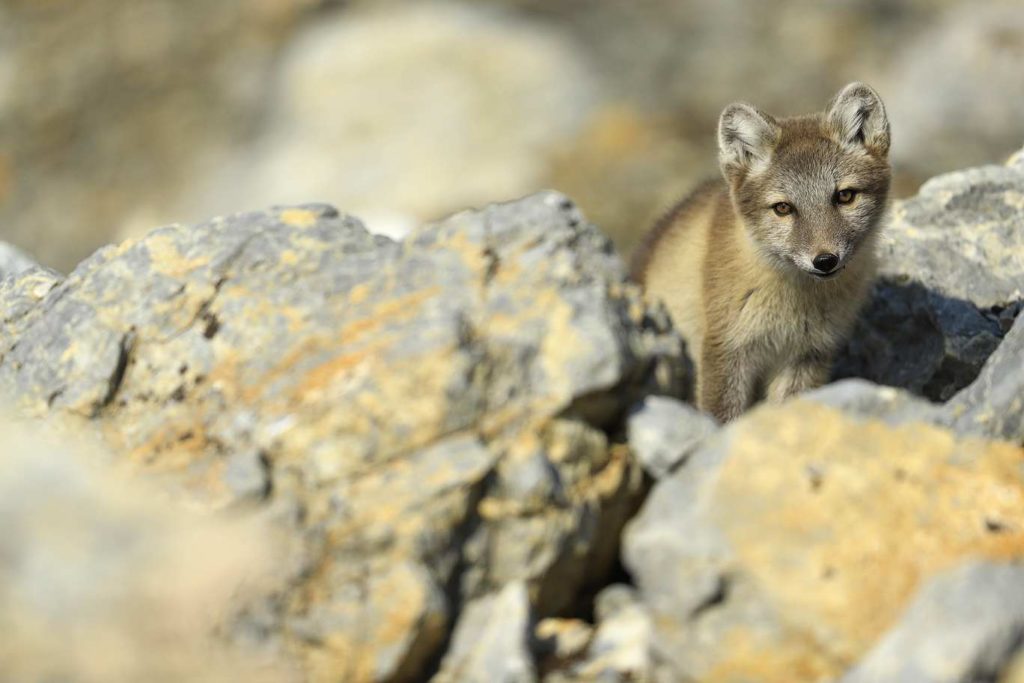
993, 405
491, 641
963, 626
621, 648
795, 538
426, 419
663, 432
952, 282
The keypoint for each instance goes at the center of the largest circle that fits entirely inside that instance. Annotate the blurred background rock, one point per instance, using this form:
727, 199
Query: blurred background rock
120, 115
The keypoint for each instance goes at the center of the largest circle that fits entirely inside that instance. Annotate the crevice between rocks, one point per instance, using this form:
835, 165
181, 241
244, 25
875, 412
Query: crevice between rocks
914, 337
452, 588
125, 348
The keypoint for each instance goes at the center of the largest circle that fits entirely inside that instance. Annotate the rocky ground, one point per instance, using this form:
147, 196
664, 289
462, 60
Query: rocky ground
470, 456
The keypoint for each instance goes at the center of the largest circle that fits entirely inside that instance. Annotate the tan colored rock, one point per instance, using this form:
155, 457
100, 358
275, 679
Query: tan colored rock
106, 581
801, 534
425, 420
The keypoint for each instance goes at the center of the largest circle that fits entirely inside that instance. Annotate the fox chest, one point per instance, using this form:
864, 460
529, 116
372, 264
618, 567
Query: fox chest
782, 325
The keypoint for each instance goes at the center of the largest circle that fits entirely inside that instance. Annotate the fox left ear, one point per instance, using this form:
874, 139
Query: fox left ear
856, 116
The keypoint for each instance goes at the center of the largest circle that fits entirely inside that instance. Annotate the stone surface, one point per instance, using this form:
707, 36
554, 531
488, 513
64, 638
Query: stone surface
621, 646
426, 420
993, 405
100, 581
795, 538
663, 432
963, 626
951, 284
491, 641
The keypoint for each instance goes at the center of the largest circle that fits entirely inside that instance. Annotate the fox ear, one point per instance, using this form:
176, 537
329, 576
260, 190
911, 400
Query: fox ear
856, 116
746, 137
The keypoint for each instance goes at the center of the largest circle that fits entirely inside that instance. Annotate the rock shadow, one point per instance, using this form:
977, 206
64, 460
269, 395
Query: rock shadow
918, 339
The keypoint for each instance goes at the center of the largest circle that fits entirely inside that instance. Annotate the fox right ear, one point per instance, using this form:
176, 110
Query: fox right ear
746, 137
856, 116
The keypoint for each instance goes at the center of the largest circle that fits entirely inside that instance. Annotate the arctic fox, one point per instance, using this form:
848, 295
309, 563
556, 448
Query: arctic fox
764, 273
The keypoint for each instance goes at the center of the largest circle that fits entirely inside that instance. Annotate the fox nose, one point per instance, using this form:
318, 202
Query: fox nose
826, 262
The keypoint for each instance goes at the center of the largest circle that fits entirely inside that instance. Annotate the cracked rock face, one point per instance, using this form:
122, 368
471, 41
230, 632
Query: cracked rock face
951, 283
428, 420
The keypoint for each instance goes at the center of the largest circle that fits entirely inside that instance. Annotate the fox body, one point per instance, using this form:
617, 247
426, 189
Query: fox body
765, 270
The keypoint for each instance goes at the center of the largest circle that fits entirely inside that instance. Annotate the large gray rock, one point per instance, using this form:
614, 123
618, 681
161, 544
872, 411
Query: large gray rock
951, 284
663, 432
426, 420
493, 94
993, 406
963, 626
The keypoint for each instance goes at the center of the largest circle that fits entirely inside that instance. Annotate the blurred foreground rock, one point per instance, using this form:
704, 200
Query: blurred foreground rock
105, 581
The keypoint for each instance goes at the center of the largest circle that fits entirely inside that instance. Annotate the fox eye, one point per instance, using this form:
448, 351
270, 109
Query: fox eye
782, 208
845, 196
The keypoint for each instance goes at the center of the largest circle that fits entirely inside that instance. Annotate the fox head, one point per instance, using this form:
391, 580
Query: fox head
810, 189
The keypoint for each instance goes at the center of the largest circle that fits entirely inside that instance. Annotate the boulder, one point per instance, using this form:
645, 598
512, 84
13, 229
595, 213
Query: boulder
429, 422
951, 284
491, 641
797, 537
964, 625
663, 432
993, 405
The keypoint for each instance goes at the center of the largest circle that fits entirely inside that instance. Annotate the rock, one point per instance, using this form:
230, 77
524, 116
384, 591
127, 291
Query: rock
864, 399
445, 105
664, 432
491, 641
993, 406
426, 420
105, 582
13, 261
621, 649
964, 625
795, 538
558, 643
951, 284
